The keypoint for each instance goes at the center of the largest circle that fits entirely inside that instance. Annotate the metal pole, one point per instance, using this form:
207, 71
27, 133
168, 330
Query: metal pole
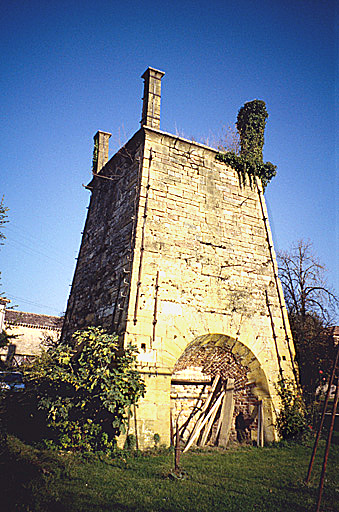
315, 446
136, 428
328, 444
177, 448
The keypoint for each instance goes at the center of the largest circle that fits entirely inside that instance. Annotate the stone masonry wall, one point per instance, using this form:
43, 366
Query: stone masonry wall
205, 235
202, 263
99, 294
175, 248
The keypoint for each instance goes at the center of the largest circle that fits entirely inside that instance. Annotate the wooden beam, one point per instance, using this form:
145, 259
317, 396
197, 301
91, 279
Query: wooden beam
210, 424
260, 431
204, 421
203, 410
226, 415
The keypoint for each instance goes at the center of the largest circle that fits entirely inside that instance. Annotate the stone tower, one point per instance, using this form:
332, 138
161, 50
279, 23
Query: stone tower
177, 258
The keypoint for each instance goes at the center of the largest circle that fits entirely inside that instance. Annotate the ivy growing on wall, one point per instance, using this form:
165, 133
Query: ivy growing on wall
251, 124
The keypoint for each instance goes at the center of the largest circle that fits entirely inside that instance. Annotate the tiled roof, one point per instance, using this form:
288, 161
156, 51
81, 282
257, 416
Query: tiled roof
33, 319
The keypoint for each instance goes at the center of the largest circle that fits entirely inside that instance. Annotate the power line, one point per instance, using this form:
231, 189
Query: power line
30, 237
30, 302
31, 250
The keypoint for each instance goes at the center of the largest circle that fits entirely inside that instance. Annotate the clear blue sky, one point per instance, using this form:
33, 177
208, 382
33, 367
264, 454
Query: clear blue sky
70, 68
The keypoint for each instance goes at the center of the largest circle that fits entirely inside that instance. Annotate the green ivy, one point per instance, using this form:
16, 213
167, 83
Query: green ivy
247, 169
291, 420
249, 164
251, 124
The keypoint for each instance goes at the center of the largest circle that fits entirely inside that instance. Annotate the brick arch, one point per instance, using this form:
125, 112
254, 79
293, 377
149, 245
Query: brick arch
218, 354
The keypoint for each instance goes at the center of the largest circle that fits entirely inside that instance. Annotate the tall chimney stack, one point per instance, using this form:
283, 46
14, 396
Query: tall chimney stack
151, 100
100, 152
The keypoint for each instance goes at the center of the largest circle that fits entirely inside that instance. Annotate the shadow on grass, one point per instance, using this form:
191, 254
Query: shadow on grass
263, 480
27, 477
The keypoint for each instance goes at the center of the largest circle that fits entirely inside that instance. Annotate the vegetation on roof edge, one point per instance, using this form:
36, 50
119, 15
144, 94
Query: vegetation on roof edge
251, 122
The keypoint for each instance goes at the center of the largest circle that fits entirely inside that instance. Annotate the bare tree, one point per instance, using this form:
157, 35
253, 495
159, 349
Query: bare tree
227, 139
303, 279
311, 306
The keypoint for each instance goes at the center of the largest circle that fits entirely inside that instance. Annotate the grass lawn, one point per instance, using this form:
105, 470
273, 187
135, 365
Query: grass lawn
239, 480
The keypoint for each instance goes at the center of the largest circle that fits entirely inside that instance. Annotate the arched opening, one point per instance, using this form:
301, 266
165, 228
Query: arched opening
219, 393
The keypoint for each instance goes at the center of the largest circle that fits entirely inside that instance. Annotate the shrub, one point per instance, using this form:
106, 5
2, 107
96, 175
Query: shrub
291, 420
86, 390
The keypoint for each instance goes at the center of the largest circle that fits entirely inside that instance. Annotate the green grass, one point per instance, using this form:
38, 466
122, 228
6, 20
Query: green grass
239, 480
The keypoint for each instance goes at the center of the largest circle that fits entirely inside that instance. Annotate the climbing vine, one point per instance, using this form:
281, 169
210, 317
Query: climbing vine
291, 419
251, 124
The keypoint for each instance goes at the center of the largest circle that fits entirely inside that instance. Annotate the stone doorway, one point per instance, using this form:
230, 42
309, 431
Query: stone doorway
217, 376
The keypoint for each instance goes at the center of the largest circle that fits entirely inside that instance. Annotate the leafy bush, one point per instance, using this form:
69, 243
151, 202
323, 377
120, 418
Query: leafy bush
130, 442
86, 390
291, 420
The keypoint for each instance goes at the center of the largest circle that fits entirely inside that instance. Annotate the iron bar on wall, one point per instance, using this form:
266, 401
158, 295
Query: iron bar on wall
155, 311
274, 335
142, 245
276, 279
113, 324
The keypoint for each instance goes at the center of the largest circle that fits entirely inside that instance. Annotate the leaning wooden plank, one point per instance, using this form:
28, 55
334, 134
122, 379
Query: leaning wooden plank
209, 426
210, 396
214, 409
204, 421
220, 417
204, 408
227, 413
260, 432
171, 428
206, 404
222, 414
